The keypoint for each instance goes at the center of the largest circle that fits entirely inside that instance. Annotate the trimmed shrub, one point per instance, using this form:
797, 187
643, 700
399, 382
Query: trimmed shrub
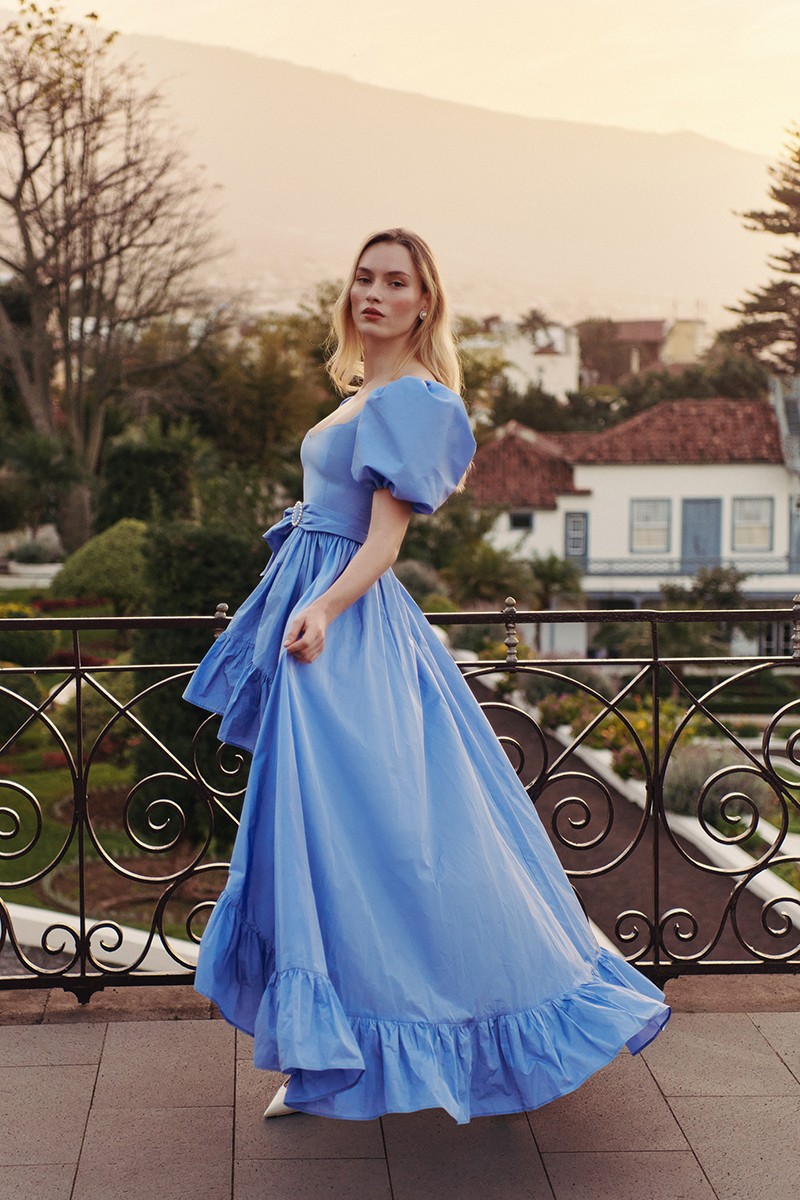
111, 565
189, 569
36, 552
23, 647
96, 711
12, 712
689, 769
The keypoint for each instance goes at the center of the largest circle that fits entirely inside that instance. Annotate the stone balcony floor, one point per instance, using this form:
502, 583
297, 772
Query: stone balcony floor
143, 1095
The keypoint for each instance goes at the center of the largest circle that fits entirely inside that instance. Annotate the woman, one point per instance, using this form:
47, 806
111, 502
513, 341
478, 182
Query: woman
396, 931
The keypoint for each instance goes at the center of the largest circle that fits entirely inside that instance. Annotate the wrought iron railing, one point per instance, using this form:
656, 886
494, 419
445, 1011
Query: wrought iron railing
677, 820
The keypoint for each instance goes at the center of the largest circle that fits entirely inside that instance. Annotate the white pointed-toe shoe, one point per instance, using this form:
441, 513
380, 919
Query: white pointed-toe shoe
277, 1106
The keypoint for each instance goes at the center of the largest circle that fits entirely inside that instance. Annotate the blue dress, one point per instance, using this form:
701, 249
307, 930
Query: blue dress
396, 932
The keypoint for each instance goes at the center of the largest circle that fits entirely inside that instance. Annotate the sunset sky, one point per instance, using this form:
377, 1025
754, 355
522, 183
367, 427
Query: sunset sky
724, 68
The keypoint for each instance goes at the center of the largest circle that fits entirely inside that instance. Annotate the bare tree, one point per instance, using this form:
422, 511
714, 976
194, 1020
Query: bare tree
101, 223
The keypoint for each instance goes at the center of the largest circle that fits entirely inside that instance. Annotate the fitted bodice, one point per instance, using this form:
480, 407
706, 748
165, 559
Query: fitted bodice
327, 458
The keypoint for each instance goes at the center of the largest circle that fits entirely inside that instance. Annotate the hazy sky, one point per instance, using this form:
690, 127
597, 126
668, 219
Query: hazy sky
729, 69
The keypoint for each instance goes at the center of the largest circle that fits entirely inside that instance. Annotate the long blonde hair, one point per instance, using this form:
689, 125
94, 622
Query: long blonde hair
432, 341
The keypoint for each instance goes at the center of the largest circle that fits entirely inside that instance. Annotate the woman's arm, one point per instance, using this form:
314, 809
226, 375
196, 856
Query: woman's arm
305, 637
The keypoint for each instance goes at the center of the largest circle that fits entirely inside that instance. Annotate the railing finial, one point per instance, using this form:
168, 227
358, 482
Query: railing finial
796, 629
220, 619
511, 640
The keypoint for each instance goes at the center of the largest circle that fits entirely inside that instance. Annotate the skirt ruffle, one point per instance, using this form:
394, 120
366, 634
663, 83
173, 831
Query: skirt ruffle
397, 932
358, 1068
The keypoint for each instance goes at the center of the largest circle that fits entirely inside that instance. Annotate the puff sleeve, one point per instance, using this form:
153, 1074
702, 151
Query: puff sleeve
414, 438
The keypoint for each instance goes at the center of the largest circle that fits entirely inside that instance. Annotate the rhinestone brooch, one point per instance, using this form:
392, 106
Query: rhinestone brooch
297, 512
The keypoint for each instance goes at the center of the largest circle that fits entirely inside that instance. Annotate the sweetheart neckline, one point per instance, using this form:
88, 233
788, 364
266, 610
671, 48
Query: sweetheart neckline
334, 425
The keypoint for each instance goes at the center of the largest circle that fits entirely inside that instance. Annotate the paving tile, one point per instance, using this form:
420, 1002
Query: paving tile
782, 1031
43, 1113
747, 1145
492, 1158
312, 1179
244, 1046
44, 1045
704, 1055
24, 1007
434, 1132
52, 1182
734, 993
658, 1175
171, 1154
619, 1108
300, 1136
173, 1002
167, 1064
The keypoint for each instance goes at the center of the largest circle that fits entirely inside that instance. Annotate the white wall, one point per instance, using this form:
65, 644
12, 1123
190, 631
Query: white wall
554, 373
613, 487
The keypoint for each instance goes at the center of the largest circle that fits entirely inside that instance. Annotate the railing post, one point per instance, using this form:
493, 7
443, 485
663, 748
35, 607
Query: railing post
796, 630
511, 641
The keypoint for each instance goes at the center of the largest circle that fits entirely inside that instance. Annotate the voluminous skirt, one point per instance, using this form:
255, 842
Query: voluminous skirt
396, 932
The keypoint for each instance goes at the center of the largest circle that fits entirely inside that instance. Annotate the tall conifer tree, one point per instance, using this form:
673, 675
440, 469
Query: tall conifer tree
769, 328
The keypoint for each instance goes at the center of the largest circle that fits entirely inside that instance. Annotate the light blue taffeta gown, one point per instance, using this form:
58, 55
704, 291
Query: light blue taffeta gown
396, 931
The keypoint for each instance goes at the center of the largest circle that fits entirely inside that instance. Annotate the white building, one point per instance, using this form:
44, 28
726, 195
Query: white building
550, 360
684, 485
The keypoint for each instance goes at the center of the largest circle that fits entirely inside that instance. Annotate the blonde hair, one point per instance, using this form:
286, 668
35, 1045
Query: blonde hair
432, 341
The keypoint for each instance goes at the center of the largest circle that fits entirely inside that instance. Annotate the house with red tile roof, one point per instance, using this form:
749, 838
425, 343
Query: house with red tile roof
659, 345
550, 359
684, 485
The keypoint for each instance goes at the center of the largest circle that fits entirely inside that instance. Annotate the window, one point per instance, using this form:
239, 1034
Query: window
576, 534
650, 526
752, 523
520, 518
776, 639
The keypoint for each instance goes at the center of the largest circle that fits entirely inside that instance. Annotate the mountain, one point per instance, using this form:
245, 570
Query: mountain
575, 219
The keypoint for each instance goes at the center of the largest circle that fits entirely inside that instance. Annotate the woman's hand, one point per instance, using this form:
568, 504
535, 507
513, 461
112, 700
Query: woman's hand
305, 637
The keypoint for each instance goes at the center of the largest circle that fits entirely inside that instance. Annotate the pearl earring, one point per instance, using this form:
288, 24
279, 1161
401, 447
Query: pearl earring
423, 315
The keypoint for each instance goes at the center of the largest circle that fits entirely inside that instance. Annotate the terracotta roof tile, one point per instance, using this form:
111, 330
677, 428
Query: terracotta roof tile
518, 467
640, 331
683, 431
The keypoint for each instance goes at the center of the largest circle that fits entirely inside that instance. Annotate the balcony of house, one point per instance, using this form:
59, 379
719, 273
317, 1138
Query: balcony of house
668, 783
762, 567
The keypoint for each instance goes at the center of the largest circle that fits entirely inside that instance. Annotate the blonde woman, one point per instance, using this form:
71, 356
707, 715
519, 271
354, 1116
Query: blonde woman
396, 931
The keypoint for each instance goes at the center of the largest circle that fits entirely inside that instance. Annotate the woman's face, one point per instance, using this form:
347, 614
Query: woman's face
386, 296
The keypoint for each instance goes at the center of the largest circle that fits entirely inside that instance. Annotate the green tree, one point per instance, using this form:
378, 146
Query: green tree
41, 471
534, 407
554, 580
712, 588
149, 470
483, 362
480, 572
602, 353
769, 328
533, 322
103, 228
454, 531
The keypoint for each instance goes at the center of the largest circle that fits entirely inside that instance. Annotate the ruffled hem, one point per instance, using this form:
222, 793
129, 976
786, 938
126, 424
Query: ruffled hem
228, 683
358, 1068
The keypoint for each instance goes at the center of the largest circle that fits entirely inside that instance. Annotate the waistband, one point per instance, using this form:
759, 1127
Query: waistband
314, 518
